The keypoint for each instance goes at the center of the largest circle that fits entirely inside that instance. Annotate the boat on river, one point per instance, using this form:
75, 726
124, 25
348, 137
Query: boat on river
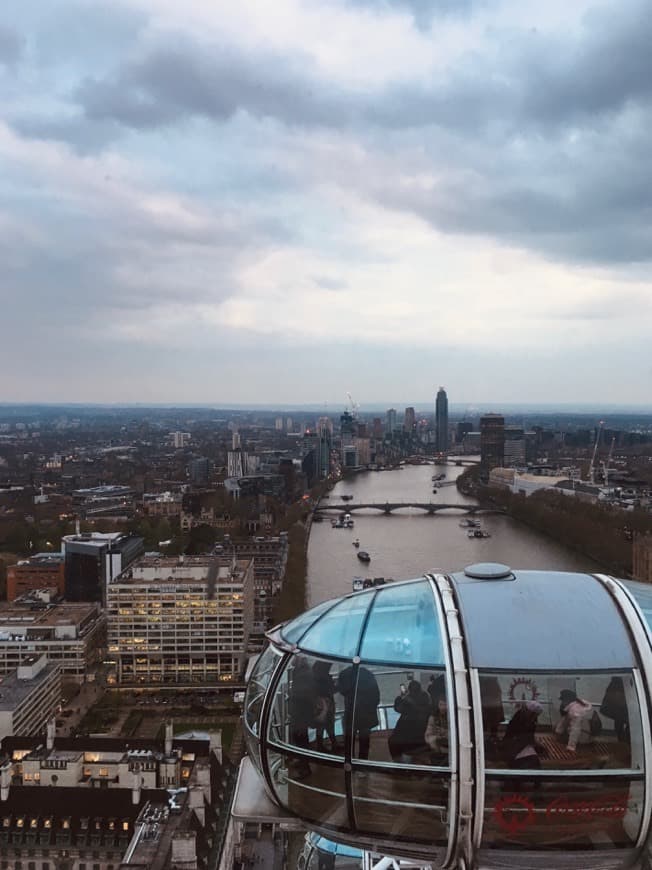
358, 584
469, 524
477, 533
363, 556
356, 543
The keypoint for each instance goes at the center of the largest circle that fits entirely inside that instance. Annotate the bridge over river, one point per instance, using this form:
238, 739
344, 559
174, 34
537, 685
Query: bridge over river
389, 507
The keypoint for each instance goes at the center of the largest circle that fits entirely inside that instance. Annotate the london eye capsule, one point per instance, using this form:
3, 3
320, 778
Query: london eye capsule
487, 718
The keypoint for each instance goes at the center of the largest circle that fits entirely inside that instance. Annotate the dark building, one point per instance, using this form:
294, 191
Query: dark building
347, 424
463, 429
492, 443
410, 420
199, 471
92, 559
441, 420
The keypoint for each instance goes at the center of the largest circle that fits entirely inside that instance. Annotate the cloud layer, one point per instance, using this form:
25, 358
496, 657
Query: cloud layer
366, 178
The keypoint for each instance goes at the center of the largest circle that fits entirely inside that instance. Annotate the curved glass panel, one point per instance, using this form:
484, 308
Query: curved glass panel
543, 620
307, 712
565, 758
562, 722
337, 633
293, 631
642, 594
569, 813
403, 627
257, 686
413, 806
395, 716
312, 788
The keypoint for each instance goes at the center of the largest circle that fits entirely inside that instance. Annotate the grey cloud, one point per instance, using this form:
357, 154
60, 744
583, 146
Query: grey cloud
327, 283
171, 84
422, 11
11, 46
73, 129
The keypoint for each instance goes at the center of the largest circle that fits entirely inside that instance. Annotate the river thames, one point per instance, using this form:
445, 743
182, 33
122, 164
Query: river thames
409, 543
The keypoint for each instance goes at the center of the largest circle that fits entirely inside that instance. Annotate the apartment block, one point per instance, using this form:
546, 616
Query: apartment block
180, 620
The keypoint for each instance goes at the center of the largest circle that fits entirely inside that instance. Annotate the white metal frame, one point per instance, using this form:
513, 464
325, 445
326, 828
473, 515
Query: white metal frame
460, 679
642, 637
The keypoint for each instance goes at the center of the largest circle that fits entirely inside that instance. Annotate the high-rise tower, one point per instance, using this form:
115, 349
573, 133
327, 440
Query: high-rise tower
441, 420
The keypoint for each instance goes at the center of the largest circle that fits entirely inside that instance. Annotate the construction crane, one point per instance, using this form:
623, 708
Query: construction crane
605, 465
595, 450
355, 407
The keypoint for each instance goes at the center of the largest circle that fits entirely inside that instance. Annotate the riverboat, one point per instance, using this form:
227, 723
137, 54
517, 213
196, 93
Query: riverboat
477, 533
469, 524
363, 556
356, 543
358, 584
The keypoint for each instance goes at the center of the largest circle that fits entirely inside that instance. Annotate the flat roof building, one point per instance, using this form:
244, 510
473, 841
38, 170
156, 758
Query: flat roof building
181, 619
37, 572
29, 696
70, 635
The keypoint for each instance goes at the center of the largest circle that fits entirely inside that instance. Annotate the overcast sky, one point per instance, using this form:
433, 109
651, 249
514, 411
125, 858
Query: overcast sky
207, 201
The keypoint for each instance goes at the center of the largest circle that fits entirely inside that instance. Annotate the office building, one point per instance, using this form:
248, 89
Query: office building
199, 471
29, 697
441, 420
104, 501
269, 555
391, 424
42, 571
70, 635
92, 559
514, 448
492, 443
410, 420
180, 620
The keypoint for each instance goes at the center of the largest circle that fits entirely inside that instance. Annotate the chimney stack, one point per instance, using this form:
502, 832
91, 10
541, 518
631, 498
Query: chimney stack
168, 738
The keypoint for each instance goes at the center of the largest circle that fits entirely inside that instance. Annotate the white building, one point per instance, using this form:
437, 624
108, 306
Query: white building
70, 635
29, 697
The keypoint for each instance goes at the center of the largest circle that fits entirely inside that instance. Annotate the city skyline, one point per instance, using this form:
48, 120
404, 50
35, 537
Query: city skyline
217, 205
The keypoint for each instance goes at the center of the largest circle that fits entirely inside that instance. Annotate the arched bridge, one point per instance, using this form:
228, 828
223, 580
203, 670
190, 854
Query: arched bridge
389, 507
463, 461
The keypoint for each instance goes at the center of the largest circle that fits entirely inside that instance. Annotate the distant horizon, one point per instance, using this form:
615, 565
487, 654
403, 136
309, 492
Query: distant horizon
475, 407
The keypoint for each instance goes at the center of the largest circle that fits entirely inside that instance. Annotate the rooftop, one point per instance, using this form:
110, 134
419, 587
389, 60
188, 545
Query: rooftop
14, 616
13, 690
